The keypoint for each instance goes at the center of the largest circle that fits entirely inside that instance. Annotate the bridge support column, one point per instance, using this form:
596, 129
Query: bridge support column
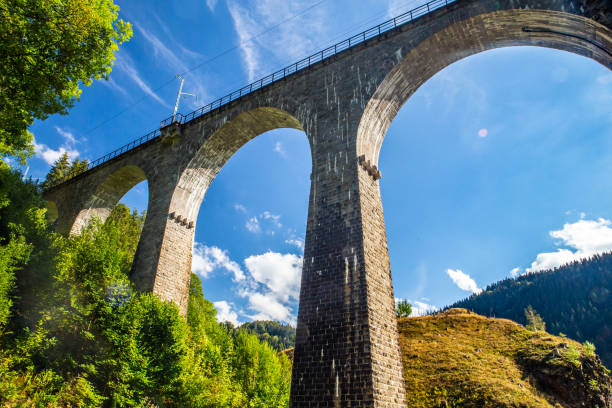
162, 263
347, 348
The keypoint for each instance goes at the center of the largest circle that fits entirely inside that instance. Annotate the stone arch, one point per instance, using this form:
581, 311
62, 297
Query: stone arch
218, 148
163, 258
107, 194
505, 28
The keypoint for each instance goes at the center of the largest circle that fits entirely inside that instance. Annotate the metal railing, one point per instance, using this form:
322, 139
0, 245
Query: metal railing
300, 65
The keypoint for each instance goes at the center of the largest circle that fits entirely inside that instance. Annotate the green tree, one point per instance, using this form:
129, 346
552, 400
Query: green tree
77, 167
92, 340
49, 48
403, 308
63, 170
534, 320
58, 172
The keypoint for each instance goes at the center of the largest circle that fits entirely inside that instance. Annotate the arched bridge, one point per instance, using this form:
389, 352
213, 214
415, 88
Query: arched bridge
344, 99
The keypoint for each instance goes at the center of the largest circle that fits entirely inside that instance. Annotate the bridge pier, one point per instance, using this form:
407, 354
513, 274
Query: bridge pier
347, 347
162, 263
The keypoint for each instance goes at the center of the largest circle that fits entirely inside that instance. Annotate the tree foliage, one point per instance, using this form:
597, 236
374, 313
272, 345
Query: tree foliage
63, 170
80, 335
534, 321
279, 336
49, 48
403, 308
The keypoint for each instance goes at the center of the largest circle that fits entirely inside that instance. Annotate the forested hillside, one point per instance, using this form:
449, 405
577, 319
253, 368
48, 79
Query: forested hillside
575, 300
74, 332
279, 336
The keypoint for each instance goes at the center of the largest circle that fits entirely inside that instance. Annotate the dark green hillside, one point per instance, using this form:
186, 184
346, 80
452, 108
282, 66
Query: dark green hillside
279, 336
575, 300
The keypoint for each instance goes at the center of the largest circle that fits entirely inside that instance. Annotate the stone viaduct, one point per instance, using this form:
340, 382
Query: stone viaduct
347, 352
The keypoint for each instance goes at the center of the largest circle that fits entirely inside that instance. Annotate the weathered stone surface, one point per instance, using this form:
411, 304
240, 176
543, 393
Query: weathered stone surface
347, 350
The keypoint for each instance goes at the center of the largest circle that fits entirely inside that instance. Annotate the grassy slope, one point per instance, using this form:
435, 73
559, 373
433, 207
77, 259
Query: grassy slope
463, 359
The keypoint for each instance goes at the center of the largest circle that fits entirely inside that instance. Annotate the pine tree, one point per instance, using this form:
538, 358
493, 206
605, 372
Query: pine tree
78, 167
534, 320
59, 171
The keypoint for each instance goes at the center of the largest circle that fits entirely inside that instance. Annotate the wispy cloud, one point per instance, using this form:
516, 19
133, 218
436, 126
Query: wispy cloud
278, 148
252, 225
125, 64
240, 208
112, 84
266, 221
296, 242
211, 4
67, 135
463, 280
293, 39
177, 64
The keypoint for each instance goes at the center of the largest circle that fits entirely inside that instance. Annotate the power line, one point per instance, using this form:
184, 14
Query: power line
221, 54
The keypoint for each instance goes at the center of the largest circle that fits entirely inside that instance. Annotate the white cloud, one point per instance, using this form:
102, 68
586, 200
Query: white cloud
278, 148
514, 272
208, 259
419, 308
225, 312
240, 208
265, 220
211, 4
278, 278
50, 155
296, 242
274, 219
463, 280
267, 307
279, 273
252, 225
271, 285
586, 237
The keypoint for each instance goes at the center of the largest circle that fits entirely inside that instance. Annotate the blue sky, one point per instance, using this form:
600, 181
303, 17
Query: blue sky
496, 166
